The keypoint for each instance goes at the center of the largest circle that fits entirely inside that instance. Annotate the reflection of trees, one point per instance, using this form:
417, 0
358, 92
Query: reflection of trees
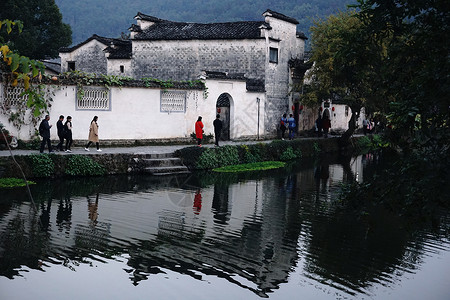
21, 243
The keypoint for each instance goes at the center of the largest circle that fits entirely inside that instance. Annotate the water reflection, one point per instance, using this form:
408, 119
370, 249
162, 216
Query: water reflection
254, 230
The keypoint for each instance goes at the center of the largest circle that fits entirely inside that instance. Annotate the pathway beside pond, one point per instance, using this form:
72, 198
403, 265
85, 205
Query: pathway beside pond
157, 149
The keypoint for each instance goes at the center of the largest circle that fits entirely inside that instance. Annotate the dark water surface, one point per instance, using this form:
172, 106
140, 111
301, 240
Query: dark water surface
278, 235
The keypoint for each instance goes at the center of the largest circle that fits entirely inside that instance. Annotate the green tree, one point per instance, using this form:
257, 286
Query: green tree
344, 65
418, 68
43, 30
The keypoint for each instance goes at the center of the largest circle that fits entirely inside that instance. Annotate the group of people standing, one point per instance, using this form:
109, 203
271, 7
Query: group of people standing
322, 125
64, 130
287, 123
218, 126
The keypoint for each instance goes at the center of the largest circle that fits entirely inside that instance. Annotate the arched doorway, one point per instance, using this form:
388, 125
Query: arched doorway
223, 108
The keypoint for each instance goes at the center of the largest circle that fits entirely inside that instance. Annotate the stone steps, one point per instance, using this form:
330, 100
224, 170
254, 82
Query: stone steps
164, 164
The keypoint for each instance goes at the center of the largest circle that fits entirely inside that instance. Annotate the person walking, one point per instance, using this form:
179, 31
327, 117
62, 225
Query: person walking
199, 131
283, 123
60, 129
291, 122
93, 135
319, 126
365, 126
217, 129
44, 131
326, 125
68, 133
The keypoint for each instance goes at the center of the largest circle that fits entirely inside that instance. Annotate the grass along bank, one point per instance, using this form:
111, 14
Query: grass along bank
256, 166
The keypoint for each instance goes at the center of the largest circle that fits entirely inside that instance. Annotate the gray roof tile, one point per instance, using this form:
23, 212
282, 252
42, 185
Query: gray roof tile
166, 30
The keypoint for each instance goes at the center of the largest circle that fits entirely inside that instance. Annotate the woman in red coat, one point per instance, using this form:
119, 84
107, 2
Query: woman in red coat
199, 131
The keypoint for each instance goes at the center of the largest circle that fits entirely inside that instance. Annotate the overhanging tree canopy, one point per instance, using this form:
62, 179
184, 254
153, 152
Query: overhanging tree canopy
43, 31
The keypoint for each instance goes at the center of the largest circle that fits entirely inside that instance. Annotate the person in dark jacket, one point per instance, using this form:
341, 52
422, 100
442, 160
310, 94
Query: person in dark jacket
44, 131
218, 125
326, 125
68, 133
60, 128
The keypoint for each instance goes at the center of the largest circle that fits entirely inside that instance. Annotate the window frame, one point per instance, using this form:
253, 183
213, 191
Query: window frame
273, 52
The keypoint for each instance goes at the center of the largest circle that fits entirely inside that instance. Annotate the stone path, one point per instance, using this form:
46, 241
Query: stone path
134, 150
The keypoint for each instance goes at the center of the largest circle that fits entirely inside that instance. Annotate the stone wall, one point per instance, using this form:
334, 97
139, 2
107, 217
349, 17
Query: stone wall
89, 58
185, 60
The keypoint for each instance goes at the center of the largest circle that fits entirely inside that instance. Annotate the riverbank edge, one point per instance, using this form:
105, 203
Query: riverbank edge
129, 163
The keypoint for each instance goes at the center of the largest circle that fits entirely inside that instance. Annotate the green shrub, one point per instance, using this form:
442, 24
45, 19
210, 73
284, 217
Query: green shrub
227, 155
316, 148
288, 154
13, 182
82, 165
370, 143
41, 165
208, 159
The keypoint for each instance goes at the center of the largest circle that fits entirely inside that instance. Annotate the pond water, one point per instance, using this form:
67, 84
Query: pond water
280, 235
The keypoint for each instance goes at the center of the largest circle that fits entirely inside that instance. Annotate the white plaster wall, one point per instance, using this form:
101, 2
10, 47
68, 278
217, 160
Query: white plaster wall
243, 108
135, 113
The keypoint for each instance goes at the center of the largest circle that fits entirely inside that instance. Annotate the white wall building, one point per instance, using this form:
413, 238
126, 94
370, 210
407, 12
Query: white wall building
141, 113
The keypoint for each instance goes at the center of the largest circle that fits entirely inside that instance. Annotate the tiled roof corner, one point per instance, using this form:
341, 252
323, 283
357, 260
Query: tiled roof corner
277, 15
104, 40
301, 35
141, 16
135, 28
119, 49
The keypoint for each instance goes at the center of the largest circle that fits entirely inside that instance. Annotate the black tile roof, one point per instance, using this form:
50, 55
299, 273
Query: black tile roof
225, 75
255, 85
104, 40
277, 15
141, 16
166, 30
119, 49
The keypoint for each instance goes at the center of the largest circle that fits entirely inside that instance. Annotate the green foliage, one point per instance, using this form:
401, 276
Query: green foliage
190, 155
13, 182
370, 143
165, 84
316, 148
208, 159
41, 165
215, 157
114, 80
256, 166
43, 31
246, 155
290, 154
82, 165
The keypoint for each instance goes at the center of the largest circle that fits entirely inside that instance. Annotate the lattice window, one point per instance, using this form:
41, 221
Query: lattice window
94, 98
173, 101
12, 96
